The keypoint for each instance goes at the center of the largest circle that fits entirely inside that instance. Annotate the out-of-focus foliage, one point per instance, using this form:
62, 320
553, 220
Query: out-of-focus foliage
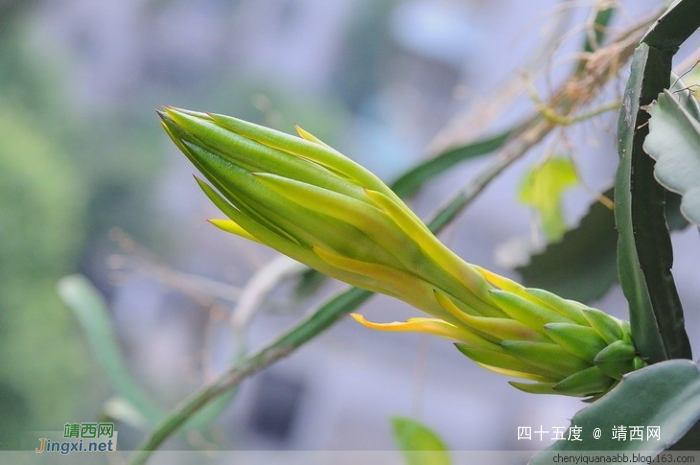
42, 228
543, 188
420, 444
91, 311
61, 186
367, 47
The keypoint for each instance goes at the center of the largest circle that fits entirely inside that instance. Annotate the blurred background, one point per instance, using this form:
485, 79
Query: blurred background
90, 183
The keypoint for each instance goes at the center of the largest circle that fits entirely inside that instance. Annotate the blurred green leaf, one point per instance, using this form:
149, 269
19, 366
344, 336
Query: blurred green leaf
413, 436
665, 394
605, 11
408, 183
120, 409
674, 142
89, 307
543, 187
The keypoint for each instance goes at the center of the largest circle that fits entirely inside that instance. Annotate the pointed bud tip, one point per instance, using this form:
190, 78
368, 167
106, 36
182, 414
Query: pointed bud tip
200, 182
302, 133
165, 114
215, 117
165, 109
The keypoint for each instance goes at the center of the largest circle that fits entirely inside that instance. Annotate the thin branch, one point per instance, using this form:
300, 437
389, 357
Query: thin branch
302, 332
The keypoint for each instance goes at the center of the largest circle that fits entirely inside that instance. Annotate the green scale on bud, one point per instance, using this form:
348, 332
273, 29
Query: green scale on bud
308, 201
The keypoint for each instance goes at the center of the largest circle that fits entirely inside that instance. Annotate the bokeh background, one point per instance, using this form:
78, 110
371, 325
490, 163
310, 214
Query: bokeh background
90, 183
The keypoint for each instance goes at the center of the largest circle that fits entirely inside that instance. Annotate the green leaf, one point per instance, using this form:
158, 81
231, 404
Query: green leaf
665, 394
89, 307
674, 142
408, 183
644, 254
542, 189
413, 436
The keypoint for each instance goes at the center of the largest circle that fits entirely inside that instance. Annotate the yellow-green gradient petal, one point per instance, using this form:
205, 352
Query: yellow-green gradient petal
537, 388
567, 308
457, 268
310, 137
431, 326
409, 288
497, 360
516, 374
302, 148
531, 314
232, 227
492, 328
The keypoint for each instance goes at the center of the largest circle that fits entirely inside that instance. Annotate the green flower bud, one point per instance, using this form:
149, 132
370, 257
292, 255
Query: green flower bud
308, 201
